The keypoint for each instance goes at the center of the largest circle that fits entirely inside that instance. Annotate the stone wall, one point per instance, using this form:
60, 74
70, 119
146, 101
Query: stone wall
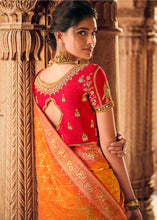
137, 72
130, 67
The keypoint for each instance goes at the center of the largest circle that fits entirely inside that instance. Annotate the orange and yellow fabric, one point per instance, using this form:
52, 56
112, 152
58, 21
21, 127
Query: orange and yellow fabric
69, 187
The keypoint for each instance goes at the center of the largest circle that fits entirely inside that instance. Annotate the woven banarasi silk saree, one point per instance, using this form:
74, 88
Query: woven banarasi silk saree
74, 179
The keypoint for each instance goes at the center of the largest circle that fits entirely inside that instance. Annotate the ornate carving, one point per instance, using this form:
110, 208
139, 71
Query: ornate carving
21, 142
13, 141
20, 174
17, 5
19, 44
107, 14
20, 47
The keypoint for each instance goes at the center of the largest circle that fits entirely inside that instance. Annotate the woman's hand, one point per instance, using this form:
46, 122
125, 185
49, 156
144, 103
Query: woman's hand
134, 215
118, 147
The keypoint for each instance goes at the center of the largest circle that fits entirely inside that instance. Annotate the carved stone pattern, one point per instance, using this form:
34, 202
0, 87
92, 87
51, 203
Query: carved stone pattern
22, 173
21, 188
107, 13
11, 162
18, 44
22, 5
13, 142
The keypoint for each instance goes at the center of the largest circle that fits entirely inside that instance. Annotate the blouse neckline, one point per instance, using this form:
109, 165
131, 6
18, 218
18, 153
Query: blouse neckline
52, 88
60, 79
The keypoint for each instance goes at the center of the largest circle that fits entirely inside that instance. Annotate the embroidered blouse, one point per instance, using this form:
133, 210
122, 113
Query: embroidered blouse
79, 94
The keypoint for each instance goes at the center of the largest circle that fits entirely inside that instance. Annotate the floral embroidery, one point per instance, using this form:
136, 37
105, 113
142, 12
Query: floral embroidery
81, 79
84, 137
52, 88
106, 91
108, 102
88, 77
90, 89
92, 124
77, 113
63, 98
84, 97
69, 126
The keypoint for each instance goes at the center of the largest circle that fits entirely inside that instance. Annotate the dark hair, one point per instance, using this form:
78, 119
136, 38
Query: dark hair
68, 14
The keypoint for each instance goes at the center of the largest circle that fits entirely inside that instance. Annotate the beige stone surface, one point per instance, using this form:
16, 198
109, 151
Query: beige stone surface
129, 62
138, 50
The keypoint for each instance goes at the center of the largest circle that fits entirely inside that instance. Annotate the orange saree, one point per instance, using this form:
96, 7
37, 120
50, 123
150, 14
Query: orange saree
70, 184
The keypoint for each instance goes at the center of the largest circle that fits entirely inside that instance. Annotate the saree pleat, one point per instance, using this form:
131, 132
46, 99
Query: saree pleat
67, 188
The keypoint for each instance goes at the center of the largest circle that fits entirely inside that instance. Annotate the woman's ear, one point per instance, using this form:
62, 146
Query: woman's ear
58, 35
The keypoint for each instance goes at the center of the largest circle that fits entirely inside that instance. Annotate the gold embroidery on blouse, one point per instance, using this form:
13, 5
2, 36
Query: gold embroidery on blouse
81, 79
77, 113
69, 126
84, 137
52, 88
92, 92
92, 124
106, 91
96, 85
36, 99
109, 104
88, 77
104, 107
90, 89
84, 97
89, 82
63, 98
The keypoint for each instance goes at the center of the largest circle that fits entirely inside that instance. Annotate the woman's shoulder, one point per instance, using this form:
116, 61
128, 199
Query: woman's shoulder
41, 75
94, 69
92, 66
36, 76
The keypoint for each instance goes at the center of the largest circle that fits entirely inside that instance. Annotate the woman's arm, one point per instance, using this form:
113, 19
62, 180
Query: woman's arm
108, 134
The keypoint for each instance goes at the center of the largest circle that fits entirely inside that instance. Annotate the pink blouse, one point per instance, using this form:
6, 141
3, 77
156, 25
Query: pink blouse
79, 94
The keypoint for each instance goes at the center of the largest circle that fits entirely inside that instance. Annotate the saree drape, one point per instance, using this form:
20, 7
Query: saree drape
70, 186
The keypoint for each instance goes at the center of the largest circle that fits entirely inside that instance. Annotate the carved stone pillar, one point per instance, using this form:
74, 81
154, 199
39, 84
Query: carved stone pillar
106, 51
137, 54
20, 43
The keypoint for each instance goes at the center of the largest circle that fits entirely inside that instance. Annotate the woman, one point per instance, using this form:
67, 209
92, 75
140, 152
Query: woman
78, 177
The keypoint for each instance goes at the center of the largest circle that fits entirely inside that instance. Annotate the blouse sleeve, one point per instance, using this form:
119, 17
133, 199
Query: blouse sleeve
99, 91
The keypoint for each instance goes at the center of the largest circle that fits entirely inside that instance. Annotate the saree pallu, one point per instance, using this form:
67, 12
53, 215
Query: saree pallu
73, 183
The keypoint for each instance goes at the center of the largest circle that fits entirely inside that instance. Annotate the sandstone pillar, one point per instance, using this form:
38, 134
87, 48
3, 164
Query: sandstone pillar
106, 51
137, 46
20, 43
